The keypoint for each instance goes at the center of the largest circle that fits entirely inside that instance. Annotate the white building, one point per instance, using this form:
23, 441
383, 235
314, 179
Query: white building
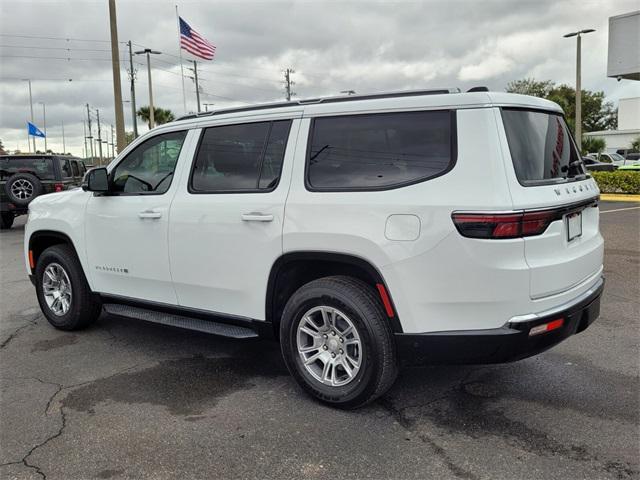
628, 126
623, 63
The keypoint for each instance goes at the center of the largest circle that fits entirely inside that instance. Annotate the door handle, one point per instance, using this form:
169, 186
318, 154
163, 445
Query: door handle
149, 214
257, 217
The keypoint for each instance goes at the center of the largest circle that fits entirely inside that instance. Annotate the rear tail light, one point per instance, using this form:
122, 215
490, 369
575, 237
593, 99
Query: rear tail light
58, 187
503, 225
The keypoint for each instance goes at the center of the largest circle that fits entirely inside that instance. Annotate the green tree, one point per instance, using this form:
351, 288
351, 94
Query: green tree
596, 113
128, 137
160, 115
635, 145
593, 145
530, 86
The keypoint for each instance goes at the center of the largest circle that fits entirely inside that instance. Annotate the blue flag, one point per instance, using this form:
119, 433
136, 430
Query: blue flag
35, 131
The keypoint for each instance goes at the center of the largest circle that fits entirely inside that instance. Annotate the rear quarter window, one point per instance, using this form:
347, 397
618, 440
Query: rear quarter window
380, 151
541, 146
40, 167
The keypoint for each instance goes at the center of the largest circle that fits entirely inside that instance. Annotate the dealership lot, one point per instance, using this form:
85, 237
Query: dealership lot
125, 399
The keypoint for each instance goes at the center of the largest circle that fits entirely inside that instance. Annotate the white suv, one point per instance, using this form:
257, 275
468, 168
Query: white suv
362, 232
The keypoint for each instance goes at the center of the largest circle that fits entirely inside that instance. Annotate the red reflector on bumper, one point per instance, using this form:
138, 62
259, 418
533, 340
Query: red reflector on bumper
546, 327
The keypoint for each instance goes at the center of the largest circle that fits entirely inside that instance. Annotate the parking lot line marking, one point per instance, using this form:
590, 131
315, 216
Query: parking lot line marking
618, 210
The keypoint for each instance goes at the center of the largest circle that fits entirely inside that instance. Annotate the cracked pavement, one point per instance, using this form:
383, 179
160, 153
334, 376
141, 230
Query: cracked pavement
125, 399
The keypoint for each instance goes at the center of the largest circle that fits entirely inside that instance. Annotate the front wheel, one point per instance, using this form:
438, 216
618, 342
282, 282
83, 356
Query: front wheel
63, 292
337, 343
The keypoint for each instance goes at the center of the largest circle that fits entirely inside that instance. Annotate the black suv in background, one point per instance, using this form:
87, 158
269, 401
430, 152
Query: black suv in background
24, 177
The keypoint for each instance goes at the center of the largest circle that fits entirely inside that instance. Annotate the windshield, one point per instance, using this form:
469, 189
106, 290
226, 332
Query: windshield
616, 157
542, 149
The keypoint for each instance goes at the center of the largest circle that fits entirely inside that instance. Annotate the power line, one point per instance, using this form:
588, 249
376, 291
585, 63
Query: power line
38, 47
68, 39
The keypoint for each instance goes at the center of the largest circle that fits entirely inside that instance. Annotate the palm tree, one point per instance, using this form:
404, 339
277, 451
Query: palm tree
160, 115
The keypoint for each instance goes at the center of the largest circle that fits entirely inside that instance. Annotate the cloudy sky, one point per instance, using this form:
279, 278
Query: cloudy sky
361, 45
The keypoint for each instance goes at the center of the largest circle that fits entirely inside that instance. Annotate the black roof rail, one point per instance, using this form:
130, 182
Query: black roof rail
312, 101
478, 89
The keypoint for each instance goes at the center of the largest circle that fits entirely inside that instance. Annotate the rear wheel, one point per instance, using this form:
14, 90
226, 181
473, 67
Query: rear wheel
6, 220
337, 343
62, 289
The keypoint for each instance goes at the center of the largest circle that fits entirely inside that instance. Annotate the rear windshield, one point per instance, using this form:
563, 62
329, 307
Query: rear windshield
40, 167
541, 147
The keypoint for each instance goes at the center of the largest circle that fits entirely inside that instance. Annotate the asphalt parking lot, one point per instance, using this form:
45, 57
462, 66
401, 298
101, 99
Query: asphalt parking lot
126, 399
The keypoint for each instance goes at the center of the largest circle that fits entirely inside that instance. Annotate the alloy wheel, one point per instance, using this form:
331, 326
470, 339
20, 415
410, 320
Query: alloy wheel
329, 346
56, 288
22, 189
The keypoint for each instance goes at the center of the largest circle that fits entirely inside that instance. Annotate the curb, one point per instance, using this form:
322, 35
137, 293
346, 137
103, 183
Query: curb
619, 197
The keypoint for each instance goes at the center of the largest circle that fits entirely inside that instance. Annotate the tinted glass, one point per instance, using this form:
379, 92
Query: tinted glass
381, 150
541, 147
65, 166
240, 157
274, 154
75, 169
38, 166
149, 168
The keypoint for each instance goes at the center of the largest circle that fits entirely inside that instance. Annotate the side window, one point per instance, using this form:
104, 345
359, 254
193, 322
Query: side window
75, 169
149, 167
65, 166
377, 151
240, 158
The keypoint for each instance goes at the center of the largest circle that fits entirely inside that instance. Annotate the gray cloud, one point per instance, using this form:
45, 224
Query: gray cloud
365, 46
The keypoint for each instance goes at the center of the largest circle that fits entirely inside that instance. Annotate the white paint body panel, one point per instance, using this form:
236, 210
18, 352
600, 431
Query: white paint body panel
201, 254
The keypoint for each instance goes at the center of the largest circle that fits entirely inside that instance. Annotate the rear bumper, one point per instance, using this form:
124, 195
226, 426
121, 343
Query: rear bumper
506, 344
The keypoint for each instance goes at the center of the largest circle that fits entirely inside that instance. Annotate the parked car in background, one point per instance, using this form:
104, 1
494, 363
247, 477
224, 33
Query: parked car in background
25, 177
596, 166
634, 167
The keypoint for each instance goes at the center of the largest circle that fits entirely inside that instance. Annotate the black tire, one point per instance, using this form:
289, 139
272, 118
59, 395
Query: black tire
6, 220
84, 309
32, 187
378, 369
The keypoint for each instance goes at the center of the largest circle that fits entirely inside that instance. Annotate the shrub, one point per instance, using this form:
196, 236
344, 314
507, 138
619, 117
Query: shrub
593, 145
618, 182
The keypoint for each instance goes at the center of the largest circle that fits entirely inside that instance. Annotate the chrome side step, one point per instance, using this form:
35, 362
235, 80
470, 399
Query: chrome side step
180, 321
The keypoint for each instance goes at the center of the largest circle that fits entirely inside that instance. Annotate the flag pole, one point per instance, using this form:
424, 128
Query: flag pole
184, 96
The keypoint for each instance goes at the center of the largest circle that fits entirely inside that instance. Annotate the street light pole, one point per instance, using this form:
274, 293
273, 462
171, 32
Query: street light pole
578, 127
148, 52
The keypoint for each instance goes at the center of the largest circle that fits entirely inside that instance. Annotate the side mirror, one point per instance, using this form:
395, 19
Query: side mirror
96, 180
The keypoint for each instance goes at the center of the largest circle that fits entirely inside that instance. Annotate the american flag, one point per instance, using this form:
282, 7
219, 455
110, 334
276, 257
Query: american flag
194, 43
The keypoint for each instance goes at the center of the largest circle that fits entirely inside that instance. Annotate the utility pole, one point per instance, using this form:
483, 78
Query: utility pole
148, 52
90, 137
115, 67
99, 137
578, 128
132, 77
113, 153
288, 83
44, 125
84, 128
31, 108
64, 148
195, 78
